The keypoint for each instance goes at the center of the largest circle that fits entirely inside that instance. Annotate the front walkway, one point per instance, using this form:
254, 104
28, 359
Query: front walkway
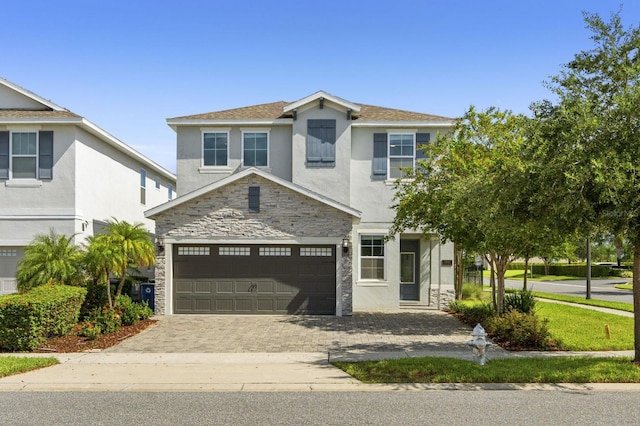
398, 331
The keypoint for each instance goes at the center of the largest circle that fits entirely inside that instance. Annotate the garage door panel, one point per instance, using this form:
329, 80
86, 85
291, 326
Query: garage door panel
271, 283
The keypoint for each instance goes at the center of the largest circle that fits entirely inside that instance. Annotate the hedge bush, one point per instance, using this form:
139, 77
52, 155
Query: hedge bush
27, 319
573, 270
132, 312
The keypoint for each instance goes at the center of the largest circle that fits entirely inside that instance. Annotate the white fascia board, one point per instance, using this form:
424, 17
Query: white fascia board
321, 94
174, 123
252, 170
33, 120
32, 95
121, 146
402, 124
262, 241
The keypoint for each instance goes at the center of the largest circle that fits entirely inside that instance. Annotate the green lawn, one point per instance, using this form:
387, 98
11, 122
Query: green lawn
628, 286
522, 370
10, 365
581, 329
518, 274
621, 306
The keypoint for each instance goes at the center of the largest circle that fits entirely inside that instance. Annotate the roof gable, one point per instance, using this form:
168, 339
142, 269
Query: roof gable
237, 176
322, 96
14, 97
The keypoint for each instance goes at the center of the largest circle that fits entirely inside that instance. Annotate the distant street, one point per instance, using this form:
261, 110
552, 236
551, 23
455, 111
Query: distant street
601, 289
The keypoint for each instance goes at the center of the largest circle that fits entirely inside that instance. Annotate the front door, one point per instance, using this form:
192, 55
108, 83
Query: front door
409, 269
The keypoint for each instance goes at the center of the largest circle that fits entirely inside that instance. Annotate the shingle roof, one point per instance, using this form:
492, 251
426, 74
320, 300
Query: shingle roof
20, 114
274, 110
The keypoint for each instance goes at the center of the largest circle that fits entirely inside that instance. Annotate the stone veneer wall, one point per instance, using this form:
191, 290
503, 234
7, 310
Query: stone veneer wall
446, 296
224, 213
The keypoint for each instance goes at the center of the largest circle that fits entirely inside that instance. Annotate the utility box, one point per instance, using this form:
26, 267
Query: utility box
148, 293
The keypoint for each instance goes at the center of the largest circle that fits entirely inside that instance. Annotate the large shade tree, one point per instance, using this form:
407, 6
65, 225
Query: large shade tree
48, 258
473, 190
587, 144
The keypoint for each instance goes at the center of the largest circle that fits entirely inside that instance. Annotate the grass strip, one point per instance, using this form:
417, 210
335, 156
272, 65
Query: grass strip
515, 370
10, 365
621, 306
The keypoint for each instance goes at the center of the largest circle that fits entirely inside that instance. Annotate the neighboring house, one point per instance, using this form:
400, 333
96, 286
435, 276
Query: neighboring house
60, 171
285, 209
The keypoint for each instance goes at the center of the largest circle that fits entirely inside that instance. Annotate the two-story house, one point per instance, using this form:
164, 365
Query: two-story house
60, 171
286, 206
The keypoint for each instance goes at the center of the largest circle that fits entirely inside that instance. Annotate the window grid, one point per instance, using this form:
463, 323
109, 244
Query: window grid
215, 146
24, 155
274, 251
143, 186
255, 149
401, 154
315, 251
372, 257
193, 251
8, 253
234, 251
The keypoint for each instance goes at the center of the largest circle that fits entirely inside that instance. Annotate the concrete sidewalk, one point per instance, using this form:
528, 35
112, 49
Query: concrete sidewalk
174, 372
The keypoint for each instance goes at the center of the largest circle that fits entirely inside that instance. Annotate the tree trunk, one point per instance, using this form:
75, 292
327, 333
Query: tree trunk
108, 285
458, 272
501, 269
636, 300
526, 271
121, 284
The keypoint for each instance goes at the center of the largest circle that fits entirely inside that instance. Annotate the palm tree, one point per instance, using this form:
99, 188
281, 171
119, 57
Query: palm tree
101, 258
50, 258
133, 245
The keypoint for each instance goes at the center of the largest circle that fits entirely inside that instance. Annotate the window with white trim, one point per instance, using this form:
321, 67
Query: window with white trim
255, 149
274, 251
215, 148
234, 251
193, 251
24, 154
402, 153
372, 257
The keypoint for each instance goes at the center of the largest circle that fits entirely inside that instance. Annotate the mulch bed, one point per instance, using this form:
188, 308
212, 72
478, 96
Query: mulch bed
74, 343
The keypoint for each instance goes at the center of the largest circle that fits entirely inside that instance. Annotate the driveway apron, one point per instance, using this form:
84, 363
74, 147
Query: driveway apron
364, 332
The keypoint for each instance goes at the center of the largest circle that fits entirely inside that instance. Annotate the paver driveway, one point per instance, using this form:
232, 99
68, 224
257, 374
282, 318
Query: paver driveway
424, 330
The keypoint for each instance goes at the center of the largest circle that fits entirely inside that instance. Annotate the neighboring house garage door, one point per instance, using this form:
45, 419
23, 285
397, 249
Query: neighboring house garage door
261, 279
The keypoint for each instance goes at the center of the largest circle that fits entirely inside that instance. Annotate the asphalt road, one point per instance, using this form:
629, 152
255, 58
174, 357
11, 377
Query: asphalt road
601, 289
481, 407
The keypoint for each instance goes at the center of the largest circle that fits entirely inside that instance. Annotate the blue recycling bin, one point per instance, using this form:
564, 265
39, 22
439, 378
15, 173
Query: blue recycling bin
147, 293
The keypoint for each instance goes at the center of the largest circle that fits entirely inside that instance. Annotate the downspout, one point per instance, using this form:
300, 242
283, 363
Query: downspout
439, 272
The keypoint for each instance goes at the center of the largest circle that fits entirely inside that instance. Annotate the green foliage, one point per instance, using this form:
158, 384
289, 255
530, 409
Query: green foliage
472, 314
574, 270
50, 258
96, 299
90, 330
131, 312
27, 319
108, 320
516, 330
471, 291
521, 301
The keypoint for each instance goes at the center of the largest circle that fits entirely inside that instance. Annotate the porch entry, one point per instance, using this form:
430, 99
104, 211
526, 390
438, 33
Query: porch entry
409, 269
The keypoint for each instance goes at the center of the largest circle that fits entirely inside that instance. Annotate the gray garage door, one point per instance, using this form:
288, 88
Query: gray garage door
260, 279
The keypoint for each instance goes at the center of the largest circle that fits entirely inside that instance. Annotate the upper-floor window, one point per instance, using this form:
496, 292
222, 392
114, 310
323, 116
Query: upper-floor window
143, 186
393, 153
170, 191
26, 155
255, 149
321, 143
215, 148
158, 182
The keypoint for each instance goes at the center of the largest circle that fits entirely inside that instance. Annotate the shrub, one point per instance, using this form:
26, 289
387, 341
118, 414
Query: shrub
521, 301
96, 299
108, 320
472, 314
131, 312
472, 291
90, 330
515, 330
27, 319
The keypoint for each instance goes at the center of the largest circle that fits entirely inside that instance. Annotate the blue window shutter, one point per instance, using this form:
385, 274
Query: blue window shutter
421, 139
380, 155
254, 199
45, 155
4, 155
321, 143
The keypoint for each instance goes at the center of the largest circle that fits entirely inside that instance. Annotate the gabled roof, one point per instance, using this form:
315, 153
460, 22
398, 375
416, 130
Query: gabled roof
323, 95
51, 113
282, 113
244, 173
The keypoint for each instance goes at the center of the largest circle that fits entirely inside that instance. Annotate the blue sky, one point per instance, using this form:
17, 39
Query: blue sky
129, 65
